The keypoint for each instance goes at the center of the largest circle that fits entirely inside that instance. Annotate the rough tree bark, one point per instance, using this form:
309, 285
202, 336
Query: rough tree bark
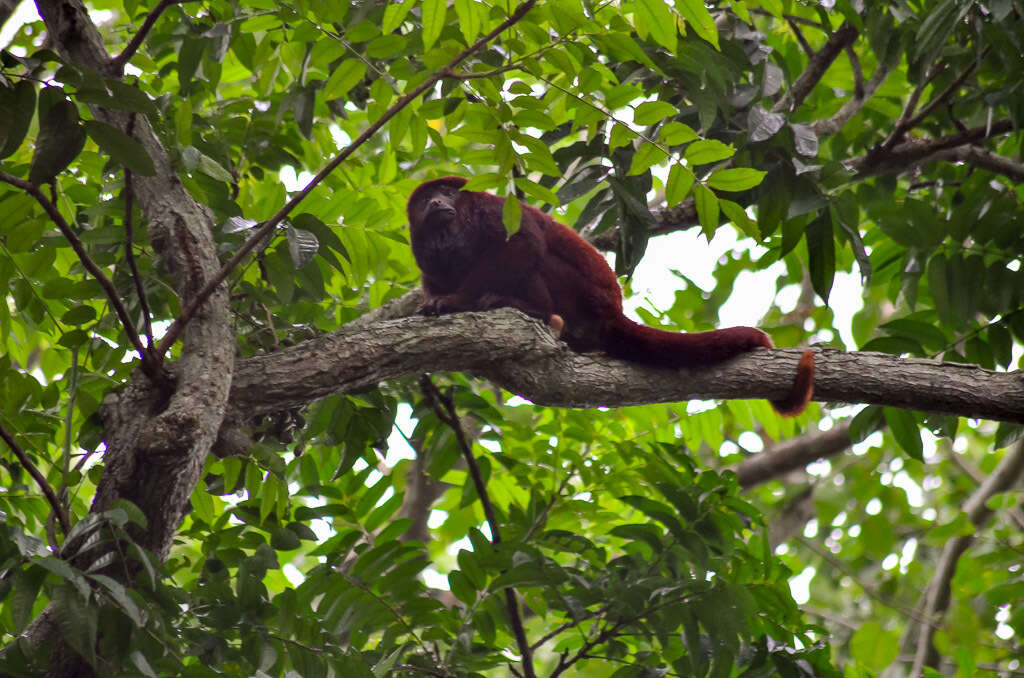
157, 435
521, 356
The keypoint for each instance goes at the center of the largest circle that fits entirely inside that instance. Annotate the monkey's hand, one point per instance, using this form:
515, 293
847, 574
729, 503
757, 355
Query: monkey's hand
439, 305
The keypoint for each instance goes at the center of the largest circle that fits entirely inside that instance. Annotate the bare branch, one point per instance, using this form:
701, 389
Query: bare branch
118, 62
108, 287
1005, 477
800, 37
913, 152
858, 72
793, 454
832, 125
947, 93
200, 297
793, 18
816, 67
58, 508
902, 126
982, 158
445, 410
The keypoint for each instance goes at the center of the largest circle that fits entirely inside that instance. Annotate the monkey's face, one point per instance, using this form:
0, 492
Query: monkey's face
433, 203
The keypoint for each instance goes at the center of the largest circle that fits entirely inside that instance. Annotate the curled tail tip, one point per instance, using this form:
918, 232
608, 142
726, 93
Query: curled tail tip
803, 388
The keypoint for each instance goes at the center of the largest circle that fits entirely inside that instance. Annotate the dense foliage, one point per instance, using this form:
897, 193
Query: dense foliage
875, 142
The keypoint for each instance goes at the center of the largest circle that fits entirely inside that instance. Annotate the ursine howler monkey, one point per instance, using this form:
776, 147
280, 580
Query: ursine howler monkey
548, 271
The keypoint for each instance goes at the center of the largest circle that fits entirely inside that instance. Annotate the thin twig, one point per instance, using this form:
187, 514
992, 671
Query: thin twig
445, 410
949, 91
133, 336
214, 282
858, 72
793, 18
58, 508
903, 123
118, 62
800, 37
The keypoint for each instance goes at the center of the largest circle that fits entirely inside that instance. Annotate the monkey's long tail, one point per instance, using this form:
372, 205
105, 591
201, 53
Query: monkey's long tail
641, 344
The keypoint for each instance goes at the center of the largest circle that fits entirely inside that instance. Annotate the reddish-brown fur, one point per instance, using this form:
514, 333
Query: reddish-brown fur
548, 271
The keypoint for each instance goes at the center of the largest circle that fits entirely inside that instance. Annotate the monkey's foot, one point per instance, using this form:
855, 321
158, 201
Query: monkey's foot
556, 324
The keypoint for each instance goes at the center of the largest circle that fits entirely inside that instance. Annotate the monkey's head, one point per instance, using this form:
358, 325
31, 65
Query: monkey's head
434, 201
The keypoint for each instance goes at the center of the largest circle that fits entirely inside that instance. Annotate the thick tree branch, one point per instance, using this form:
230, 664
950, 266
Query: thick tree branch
816, 67
58, 508
263, 231
939, 592
982, 158
523, 357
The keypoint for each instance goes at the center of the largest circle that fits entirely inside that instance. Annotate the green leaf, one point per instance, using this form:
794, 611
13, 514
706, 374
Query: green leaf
121, 147
79, 315
699, 18
347, 75
433, 21
739, 218
394, 15
541, 194
675, 133
906, 431
735, 179
651, 112
195, 160
17, 106
512, 215
24, 594
680, 181
462, 587
707, 209
283, 539
707, 150
656, 17
468, 14
647, 156
874, 647
61, 138
119, 594
821, 255
77, 621
140, 662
